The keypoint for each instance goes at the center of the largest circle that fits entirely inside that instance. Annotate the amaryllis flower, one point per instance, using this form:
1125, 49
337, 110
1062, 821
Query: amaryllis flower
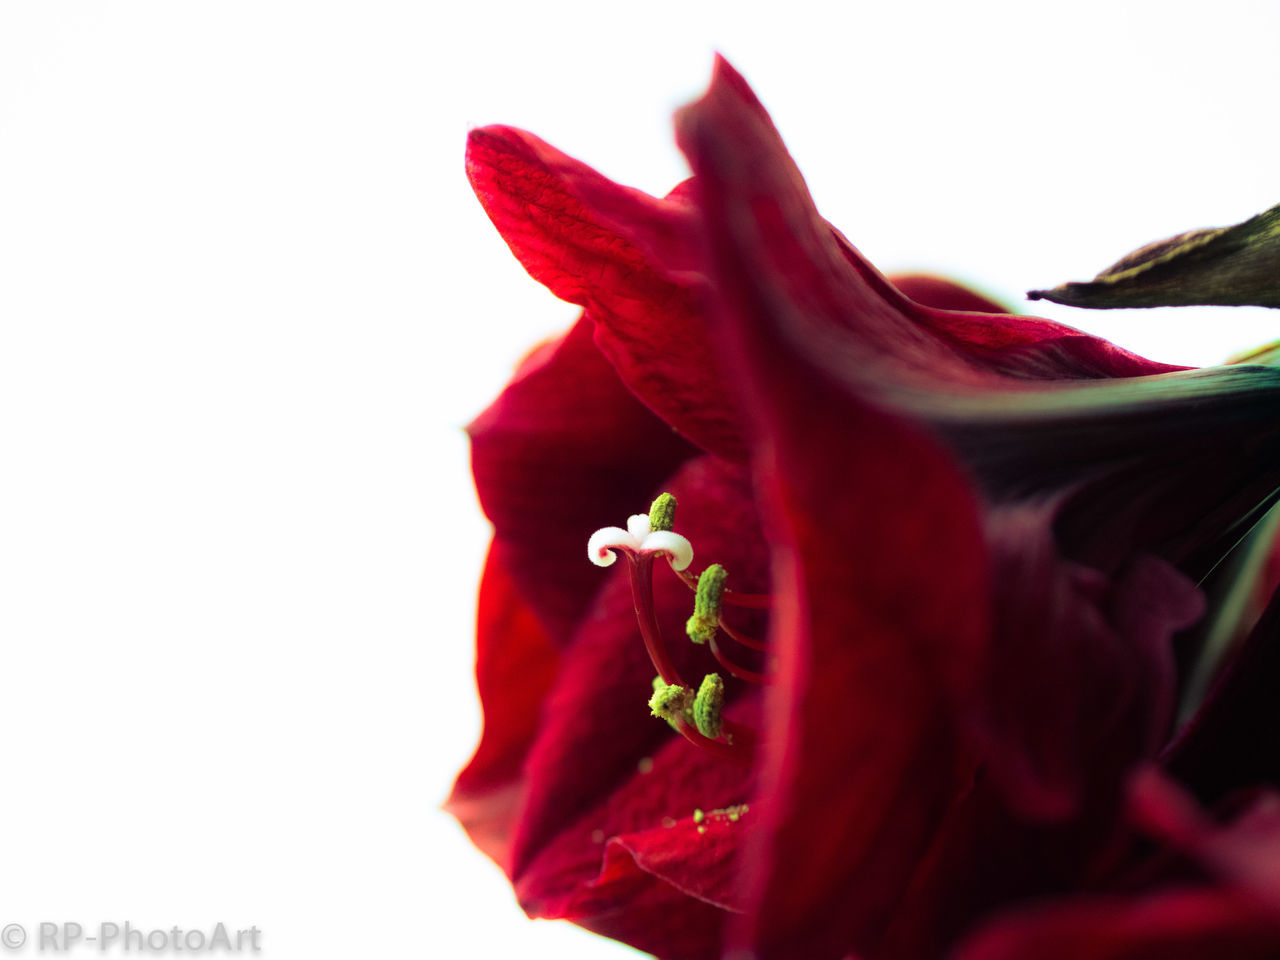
926, 590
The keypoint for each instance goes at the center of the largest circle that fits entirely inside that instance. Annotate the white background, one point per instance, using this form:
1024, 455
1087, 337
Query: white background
247, 302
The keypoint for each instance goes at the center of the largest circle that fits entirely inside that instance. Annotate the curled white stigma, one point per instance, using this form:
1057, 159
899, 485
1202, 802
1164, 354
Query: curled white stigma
638, 526
673, 545
638, 539
599, 547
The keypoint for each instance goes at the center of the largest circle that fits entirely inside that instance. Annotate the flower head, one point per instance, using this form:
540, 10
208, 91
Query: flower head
966, 563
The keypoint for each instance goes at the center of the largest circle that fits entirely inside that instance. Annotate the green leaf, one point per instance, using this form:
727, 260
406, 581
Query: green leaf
1225, 266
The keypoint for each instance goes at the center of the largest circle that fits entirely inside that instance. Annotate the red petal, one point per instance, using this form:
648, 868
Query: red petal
515, 664
879, 566
1081, 678
1193, 924
648, 813
941, 294
642, 910
564, 451
628, 258
1244, 853
634, 866
842, 313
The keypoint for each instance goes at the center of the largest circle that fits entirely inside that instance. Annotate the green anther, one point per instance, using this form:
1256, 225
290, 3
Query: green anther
662, 515
708, 705
671, 702
698, 816
701, 627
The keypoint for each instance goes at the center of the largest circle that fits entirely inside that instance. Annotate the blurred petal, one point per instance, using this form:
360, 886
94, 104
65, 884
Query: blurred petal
1243, 853
879, 565
1191, 924
1233, 742
1080, 680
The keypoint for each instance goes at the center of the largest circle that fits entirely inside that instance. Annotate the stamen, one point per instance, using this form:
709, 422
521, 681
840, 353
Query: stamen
707, 618
748, 601
701, 627
742, 673
662, 514
670, 701
708, 706
738, 743
740, 637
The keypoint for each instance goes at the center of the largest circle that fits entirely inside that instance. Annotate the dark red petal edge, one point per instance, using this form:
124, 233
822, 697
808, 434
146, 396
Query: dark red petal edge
879, 567
1233, 742
1243, 853
1080, 680
1187, 924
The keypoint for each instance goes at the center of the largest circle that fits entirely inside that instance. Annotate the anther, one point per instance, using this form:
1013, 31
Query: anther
708, 706
670, 701
662, 514
701, 627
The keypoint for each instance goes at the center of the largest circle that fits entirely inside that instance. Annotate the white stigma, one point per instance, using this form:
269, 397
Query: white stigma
638, 526
676, 547
638, 539
598, 547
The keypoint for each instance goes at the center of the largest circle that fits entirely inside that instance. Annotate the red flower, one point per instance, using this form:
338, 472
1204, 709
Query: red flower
976, 535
